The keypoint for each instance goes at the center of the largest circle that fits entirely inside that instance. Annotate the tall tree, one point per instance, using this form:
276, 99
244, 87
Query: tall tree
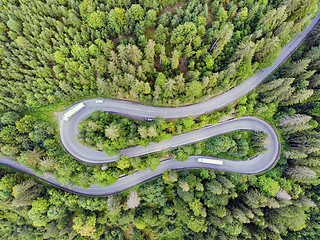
175, 59
112, 132
133, 199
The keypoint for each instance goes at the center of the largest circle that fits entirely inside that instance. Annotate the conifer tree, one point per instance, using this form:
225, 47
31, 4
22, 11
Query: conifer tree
133, 200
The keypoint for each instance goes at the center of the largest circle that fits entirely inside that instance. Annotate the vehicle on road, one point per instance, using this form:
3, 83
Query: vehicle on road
149, 119
73, 111
210, 161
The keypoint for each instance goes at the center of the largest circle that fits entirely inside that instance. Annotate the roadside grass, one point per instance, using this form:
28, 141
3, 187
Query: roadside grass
48, 113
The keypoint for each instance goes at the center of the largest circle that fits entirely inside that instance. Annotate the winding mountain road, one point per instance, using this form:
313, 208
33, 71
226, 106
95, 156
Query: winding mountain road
258, 164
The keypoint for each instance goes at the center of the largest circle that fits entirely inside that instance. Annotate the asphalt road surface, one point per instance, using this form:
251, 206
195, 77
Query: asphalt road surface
258, 164
68, 129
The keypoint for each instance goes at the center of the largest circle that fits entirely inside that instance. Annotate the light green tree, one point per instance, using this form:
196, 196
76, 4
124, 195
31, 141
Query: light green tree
112, 132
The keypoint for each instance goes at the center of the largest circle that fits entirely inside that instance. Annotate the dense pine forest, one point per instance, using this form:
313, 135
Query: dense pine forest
157, 52
169, 53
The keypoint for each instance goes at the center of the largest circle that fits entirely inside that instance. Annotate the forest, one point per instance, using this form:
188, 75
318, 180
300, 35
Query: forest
111, 133
53, 51
169, 53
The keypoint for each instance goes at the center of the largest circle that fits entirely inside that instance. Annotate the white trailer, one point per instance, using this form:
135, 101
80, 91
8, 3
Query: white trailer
210, 161
72, 111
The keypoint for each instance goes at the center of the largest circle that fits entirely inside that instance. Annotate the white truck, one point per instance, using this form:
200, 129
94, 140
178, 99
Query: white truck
210, 161
72, 111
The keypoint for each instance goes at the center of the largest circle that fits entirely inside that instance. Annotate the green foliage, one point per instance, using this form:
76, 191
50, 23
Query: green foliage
268, 185
9, 118
96, 19
55, 51
116, 132
85, 225
38, 211
68, 50
184, 34
136, 12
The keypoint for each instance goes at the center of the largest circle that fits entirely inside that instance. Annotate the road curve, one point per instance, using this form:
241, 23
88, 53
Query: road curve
258, 164
69, 129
